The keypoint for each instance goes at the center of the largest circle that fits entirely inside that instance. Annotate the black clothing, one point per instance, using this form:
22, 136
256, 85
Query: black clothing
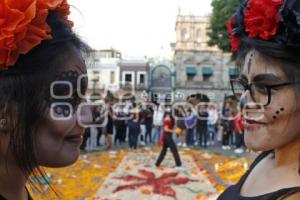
99, 134
149, 123
29, 197
120, 126
109, 125
233, 192
202, 128
181, 124
168, 143
142, 116
86, 136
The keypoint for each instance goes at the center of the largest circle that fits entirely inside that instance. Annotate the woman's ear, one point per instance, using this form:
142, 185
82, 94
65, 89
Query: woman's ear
3, 125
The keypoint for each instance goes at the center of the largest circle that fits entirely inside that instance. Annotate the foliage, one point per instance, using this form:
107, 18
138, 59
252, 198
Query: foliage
223, 10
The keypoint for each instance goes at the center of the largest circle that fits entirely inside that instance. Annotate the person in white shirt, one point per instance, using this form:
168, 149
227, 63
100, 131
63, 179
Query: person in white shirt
157, 123
211, 124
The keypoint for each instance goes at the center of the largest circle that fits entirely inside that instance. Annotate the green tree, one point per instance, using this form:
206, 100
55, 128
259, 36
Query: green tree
223, 10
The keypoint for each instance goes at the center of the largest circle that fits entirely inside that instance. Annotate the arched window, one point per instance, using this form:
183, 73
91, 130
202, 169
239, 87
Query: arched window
198, 35
183, 34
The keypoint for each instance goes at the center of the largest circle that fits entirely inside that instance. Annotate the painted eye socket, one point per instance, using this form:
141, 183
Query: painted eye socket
261, 88
65, 90
62, 110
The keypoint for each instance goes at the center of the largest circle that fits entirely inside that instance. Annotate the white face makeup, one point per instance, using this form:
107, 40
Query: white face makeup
58, 141
278, 122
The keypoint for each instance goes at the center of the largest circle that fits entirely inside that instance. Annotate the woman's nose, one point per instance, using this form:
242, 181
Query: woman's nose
246, 100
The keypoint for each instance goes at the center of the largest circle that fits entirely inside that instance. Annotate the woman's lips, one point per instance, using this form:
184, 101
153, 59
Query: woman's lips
76, 139
252, 124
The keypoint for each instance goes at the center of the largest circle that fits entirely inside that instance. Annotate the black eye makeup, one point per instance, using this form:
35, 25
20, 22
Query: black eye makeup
65, 90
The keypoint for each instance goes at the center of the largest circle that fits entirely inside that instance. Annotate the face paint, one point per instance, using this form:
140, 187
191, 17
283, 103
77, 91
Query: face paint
277, 113
61, 90
249, 63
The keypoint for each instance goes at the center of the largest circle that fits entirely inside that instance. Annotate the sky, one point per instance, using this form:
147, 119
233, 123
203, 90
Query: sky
137, 28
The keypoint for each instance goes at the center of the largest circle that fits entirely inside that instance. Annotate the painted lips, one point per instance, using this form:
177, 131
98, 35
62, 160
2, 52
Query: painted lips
76, 139
252, 125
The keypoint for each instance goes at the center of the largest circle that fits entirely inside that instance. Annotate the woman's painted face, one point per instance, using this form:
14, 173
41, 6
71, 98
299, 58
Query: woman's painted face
60, 136
277, 124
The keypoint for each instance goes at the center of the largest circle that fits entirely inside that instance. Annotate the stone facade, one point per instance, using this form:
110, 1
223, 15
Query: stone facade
199, 68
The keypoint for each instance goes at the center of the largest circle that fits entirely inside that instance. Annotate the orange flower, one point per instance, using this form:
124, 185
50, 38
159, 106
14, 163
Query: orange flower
145, 191
23, 26
200, 197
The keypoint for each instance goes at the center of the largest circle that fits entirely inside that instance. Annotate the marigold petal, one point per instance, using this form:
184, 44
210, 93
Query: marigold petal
23, 26
48, 4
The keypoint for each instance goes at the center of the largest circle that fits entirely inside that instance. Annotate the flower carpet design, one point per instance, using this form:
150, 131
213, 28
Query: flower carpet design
138, 178
132, 175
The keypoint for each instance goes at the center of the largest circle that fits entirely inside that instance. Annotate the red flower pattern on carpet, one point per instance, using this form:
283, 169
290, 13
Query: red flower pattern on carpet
160, 185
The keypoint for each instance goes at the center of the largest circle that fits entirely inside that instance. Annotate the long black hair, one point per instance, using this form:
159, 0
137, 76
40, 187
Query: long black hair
25, 87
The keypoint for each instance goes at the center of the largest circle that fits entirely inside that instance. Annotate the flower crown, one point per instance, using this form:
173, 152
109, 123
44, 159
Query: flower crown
269, 20
23, 26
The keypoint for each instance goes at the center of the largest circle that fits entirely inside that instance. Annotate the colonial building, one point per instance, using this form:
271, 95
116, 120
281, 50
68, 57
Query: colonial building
134, 77
200, 69
103, 71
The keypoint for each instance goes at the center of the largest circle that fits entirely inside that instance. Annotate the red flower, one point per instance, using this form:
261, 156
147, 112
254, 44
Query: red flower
262, 18
23, 26
233, 39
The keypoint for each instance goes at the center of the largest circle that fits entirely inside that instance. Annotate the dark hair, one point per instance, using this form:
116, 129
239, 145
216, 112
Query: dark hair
170, 115
25, 86
284, 48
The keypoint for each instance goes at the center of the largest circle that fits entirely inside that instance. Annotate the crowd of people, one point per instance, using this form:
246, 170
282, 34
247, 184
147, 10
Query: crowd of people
142, 124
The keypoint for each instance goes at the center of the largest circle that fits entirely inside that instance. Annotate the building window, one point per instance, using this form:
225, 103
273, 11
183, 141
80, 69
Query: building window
207, 72
96, 75
142, 78
112, 77
206, 78
184, 35
128, 78
191, 72
198, 35
190, 78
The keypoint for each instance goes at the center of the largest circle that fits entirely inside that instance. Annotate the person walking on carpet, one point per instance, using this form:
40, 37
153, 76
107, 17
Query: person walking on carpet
168, 142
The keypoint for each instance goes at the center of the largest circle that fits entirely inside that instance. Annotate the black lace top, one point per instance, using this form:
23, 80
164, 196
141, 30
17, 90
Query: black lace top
233, 192
3, 198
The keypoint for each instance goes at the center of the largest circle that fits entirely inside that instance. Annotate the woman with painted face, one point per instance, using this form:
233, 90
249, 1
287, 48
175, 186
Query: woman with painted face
266, 36
41, 90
